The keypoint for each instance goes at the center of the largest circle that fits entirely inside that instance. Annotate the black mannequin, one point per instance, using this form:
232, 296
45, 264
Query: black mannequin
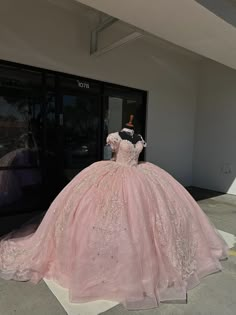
128, 132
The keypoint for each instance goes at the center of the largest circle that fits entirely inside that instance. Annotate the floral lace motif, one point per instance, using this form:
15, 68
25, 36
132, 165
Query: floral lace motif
84, 185
109, 227
175, 222
13, 255
113, 140
126, 152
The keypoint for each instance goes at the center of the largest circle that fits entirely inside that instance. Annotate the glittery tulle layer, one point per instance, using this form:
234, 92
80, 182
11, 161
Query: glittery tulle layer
131, 234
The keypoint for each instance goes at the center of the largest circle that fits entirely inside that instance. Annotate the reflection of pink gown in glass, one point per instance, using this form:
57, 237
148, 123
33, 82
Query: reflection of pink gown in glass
119, 231
10, 188
12, 181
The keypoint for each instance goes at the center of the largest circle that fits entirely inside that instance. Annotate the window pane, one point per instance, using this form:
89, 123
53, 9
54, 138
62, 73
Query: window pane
18, 143
81, 131
20, 190
20, 117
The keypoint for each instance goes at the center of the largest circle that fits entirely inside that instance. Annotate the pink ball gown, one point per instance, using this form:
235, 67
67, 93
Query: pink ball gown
122, 231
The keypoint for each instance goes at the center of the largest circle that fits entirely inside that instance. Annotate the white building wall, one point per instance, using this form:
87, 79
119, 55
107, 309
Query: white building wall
42, 34
214, 163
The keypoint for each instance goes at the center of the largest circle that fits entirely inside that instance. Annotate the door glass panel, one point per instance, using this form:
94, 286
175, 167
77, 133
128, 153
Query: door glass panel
52, 154
20, 141
112, 122
51, 142
136, 108
115, 105
81, 132
13, 126
117, 113
20, 190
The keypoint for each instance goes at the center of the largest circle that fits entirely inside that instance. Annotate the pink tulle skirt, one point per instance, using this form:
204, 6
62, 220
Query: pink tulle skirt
128, 234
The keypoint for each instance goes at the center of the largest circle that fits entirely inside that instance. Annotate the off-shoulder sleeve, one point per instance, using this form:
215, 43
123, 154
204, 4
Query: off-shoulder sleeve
113, 140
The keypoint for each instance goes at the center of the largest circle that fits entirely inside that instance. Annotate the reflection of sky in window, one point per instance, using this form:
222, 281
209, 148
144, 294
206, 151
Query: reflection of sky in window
9, 110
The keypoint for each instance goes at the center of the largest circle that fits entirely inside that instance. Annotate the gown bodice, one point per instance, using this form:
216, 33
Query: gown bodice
126, 152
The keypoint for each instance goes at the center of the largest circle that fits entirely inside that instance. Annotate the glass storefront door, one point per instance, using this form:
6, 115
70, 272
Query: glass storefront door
52, 126
81, 132
20, 142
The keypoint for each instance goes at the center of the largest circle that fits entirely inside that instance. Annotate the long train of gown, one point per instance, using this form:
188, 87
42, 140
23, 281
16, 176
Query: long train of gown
119, 231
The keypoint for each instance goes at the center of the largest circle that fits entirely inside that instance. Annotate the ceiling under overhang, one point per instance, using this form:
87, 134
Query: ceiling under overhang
186, 23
